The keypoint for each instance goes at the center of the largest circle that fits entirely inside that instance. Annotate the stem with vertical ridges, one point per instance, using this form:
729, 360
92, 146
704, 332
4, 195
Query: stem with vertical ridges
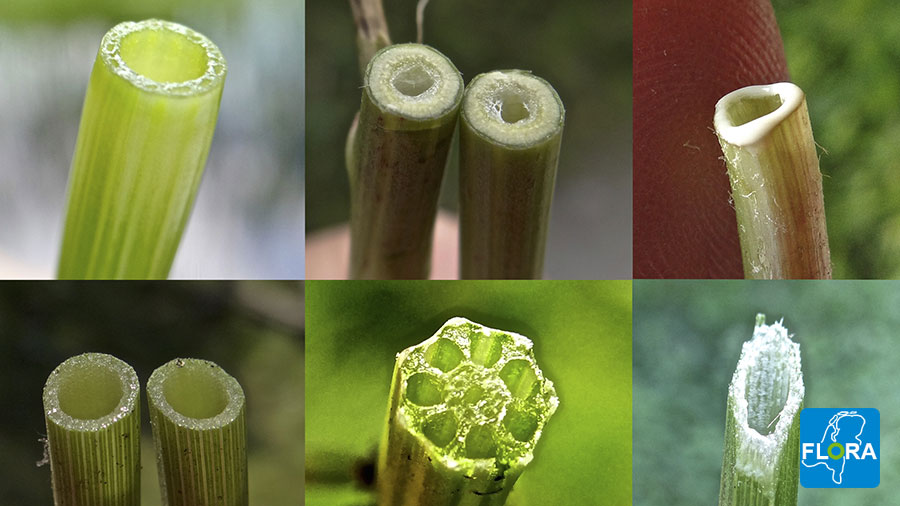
466, 409
197, 412
762, 428
776, 186
510, 134
396, 159
146, 127
92, 412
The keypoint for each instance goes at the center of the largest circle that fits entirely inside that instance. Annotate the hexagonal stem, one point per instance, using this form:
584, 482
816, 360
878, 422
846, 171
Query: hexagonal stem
467, 407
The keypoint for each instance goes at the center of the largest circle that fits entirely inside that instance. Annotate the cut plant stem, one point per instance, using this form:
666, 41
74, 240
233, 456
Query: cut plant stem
762, 421
397, 156
92, 412
197, 413
776, 185
146, 127
510, 134
466, 410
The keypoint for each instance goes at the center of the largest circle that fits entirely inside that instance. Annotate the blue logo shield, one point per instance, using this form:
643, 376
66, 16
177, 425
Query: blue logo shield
840, 448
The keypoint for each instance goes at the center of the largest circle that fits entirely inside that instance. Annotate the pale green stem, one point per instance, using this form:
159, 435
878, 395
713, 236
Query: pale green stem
396, 160
92, 412
510, 134
198, 415
466, 410
146, 127
762, 422
776, 185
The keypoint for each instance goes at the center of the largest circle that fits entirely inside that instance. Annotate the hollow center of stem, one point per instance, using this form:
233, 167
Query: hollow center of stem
748, 109
163, 55
511, 106
413, 80
768, 385
195, 391
88, 392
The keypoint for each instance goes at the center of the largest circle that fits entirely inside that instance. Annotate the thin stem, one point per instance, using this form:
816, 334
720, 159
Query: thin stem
197, 412
510, 135
371, 30
762, 427
467, 408
420, 21
397, 157
146, 127
92, 412
776, 185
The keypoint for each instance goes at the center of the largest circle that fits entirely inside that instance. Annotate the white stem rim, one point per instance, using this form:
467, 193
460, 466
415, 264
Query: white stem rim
752, 132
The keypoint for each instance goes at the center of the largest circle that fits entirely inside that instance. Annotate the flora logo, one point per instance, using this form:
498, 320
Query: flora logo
840, 448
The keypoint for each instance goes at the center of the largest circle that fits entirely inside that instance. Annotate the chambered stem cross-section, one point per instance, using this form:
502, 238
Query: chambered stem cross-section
776, 185
466, 410
198, 415
762, 423
92, 412
146, 127
510, 133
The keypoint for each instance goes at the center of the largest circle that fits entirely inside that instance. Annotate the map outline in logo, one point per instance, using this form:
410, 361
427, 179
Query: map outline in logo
840, 448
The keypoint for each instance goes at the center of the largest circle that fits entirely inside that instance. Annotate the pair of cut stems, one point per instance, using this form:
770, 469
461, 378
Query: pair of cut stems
510, 133
466, 409
762, 427
92, 412
146, 127
776, 185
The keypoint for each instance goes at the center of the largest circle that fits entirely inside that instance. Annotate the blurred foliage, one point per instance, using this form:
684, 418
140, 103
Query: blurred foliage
687, 341
581, 333
582, 47
250, 329
844, 55
66, 10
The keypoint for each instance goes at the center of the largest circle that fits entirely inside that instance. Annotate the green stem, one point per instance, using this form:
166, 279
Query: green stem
197, 412
92, 412
146, 127
510, 135
762, 428
409, 108
776, 185
466, 410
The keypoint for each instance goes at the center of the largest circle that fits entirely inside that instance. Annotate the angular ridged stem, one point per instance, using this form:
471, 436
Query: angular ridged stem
92, 412
397, 156
776, 185
197, 412
762, 424
466, 410
510, 135
146, 127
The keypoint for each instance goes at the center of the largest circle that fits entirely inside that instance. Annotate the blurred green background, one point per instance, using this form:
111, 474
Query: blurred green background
687, 341
582, 47
253, 330
582, 341
844, 55
247, 220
